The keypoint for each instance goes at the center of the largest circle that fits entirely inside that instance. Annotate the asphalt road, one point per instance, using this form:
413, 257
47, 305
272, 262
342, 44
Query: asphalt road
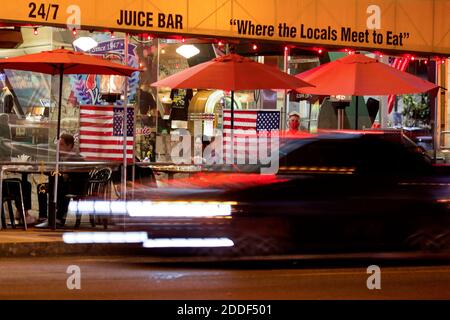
150, 278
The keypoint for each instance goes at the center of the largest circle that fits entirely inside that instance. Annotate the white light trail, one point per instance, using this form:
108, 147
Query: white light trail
179, 209
188, 243
104, 237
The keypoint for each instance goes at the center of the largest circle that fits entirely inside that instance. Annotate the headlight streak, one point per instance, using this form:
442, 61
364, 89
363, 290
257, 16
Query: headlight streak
141, 237
429, 184
104, 237
188, 243
178, 209
323, 170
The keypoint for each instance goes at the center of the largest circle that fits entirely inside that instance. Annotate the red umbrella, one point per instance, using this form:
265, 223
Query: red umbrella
60, 62
63, 62
232, 72
358, 75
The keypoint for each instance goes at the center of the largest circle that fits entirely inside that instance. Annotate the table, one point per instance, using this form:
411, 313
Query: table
48, 169
171, 169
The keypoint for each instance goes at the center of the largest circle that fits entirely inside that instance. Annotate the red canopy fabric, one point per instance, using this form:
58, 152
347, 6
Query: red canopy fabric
68, 62
231, 72
358, 75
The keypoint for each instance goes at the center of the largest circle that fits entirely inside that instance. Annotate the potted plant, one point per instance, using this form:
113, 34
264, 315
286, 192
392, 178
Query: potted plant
416, 111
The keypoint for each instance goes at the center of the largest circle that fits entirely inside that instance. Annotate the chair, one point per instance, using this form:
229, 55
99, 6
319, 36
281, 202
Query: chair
99, 188
12, 190
5, 138
12, 187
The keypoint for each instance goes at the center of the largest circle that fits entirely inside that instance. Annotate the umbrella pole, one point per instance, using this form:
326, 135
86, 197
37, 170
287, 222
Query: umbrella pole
125, 127
434, 129
309, 114
232, 127
356, 113
341, 113
52, 213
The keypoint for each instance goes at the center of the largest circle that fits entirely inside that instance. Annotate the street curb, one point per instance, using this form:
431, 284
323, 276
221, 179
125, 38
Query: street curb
54, 248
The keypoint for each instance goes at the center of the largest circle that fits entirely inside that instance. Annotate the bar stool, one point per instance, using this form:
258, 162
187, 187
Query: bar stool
12, 190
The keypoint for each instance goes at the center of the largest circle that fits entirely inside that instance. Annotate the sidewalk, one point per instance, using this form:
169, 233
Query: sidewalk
46, 242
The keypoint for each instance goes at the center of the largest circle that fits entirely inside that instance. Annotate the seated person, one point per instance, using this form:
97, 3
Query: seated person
26, 193
42, 194
68, 183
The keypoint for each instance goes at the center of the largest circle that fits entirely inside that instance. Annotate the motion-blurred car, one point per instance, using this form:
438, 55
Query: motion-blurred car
333, 193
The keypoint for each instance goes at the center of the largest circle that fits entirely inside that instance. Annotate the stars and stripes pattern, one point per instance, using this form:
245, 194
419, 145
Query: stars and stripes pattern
247, 125
101, 133
400, 64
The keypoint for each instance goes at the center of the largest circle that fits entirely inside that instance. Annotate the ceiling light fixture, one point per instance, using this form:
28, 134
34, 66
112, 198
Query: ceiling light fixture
188, 50
85, 43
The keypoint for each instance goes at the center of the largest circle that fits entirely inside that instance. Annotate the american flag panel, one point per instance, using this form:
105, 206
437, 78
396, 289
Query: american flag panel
247, 125
400, 64
101, 133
